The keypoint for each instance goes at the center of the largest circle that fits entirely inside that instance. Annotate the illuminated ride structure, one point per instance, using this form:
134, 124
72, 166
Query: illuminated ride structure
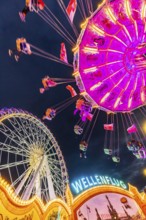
109, 70
30, 158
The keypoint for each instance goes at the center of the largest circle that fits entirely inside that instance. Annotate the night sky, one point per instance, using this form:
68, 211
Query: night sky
19, 88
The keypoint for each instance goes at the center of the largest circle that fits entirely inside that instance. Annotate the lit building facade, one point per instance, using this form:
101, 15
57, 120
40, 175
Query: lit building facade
104, 202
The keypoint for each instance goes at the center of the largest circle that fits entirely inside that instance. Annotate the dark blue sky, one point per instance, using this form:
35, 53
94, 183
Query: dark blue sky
19, 88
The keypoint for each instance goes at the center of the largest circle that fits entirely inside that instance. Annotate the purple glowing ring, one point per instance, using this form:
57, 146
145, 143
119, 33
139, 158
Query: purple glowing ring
110, 56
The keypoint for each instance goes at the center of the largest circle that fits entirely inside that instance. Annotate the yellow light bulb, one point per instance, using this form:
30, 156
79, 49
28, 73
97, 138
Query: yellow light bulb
144, 172
144, 127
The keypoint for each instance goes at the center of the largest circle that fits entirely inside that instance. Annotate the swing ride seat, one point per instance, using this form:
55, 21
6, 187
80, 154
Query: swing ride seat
116, 159
108, 151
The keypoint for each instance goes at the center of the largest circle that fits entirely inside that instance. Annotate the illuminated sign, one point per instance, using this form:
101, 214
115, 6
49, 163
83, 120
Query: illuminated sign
88, 182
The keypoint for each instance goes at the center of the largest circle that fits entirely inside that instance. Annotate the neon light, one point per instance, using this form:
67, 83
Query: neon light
128, 12
75, 73
119, 81
135, 85
136, 28
129, 102
117, 102
127, 7
105, 97
131, 95
110, 50
111, 15
84, 24
142, 95
90, 50
97, 30
143, 10
101, 4
113, 74
102, 33
106, 64
119, 98
85, 183
126, 31
90, 70
144, 30
75, 49
99, 83
83, 93
118, 39
95, 86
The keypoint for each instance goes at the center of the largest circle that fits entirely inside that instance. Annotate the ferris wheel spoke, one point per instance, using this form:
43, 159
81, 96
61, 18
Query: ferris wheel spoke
12, 136
51, 146
26, 135
58, 187
44, 181
45, 188
53, 161
21, 180
18, 128
51, 155
55, 169
11, 179
38, 135
38, 185
57, 174
47, 139
41, 137
59, 192
6, 166
20, 177
17, 170
6, 130
46, 193
11, 149
29, 189
27, 129
26, 185
32, 132
14, 141
36, 130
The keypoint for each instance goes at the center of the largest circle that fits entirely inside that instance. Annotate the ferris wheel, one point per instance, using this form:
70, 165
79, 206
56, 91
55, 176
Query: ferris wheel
30, 158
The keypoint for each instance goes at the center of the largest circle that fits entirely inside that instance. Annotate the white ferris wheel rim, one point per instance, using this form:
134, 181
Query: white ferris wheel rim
41, 165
